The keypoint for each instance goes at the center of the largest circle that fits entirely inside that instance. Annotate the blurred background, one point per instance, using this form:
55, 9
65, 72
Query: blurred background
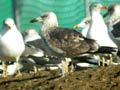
69, 12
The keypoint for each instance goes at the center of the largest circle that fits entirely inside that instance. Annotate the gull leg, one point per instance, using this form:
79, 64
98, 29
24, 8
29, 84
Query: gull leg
18, 68
35, 69
62, 70
111, 59
103, 61
108, 60
71, 67
99, 60
4, 69
64, 66
66, 63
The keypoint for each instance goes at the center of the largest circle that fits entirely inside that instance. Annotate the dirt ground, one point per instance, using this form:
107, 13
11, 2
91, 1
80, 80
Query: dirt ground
99, 78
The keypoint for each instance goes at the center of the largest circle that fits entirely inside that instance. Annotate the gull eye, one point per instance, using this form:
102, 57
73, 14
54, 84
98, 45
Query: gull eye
86, 22
95, 5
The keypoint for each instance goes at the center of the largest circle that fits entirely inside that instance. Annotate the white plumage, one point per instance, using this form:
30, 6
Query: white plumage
11, 43
114, 22
98, 30
31, 35
31, 49
95, 28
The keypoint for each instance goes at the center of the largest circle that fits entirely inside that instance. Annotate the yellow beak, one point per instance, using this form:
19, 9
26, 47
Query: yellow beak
75, 26
104, 7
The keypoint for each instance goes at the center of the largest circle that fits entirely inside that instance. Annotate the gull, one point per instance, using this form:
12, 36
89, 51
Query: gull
32, 38
63, 42
11, 44
98, 29
84, 24
114, 13
31, 35
113, 22
31, 49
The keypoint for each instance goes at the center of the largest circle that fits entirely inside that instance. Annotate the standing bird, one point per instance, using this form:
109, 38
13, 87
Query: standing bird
63, 42
11, 44
114, 22
98, 30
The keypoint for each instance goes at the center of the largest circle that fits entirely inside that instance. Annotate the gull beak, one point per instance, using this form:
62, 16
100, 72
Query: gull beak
104, 7
75, 26
107, 22
39, 19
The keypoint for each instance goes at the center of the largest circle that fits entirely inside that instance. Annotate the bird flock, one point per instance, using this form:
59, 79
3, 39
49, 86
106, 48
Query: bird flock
61, 48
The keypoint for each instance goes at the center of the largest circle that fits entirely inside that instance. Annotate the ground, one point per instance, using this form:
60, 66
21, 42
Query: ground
99, 78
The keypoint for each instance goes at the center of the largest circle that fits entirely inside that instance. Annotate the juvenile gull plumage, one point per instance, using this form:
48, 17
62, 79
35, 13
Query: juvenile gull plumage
63, 42
11, 44
35, 55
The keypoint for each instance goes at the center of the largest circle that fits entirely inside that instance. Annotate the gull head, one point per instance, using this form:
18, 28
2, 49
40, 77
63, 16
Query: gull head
30, 35
8, 23
83, 24
49, 19
97, 7
113, 10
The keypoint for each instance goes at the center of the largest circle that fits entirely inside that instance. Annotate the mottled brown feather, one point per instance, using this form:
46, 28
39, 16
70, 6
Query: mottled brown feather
70, 41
